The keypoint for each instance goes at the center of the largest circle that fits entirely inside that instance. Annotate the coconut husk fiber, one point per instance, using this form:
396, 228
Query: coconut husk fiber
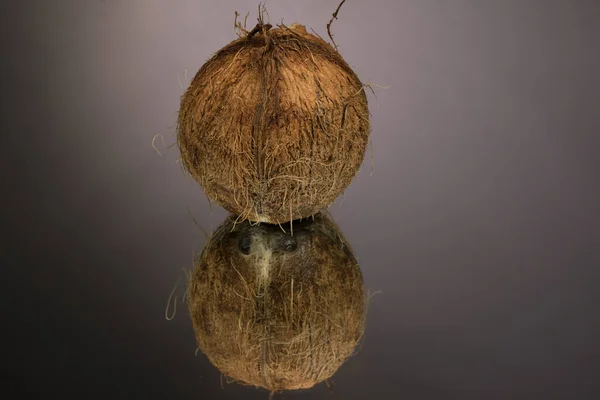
275, 125
277, 311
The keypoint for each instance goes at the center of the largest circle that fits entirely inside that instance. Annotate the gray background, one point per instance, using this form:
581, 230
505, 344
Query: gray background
479, 223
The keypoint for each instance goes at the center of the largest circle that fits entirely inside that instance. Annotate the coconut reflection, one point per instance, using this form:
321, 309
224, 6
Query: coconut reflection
274, 308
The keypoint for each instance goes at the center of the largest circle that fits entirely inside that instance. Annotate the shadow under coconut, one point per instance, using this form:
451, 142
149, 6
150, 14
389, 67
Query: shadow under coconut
277, 310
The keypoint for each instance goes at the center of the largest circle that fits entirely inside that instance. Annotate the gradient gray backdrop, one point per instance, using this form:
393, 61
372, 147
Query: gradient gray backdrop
480, 223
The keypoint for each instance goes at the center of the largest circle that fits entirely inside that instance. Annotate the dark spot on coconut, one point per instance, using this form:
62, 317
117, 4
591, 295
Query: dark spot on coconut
289, 244
244, 243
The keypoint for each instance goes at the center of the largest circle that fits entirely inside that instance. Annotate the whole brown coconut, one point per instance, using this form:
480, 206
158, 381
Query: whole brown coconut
277, 311
275, 125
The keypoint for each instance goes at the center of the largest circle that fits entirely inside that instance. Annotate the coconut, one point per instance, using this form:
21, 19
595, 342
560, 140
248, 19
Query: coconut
275, 125
274, 310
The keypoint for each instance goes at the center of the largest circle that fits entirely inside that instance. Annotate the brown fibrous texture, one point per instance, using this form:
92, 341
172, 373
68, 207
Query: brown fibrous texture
274, 126
276, 317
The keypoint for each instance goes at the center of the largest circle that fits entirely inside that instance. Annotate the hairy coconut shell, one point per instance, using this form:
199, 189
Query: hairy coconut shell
277, 311
274, 126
